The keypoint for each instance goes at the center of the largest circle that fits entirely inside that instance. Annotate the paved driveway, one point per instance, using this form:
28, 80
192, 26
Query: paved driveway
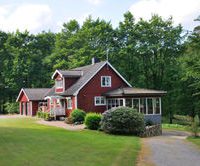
170, 149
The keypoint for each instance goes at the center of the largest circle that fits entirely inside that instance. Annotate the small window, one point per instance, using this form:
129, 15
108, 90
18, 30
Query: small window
106, 81
59, 83
69, 103
58, 101
99, 100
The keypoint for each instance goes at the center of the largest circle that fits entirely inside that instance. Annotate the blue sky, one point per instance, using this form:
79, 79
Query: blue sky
38, 15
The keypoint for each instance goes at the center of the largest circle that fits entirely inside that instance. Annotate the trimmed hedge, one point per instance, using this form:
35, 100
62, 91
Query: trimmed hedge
92, 121
123, 120
78, 115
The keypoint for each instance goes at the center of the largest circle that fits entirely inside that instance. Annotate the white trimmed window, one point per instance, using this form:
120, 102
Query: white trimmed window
105, 81
69, 103
99, 100
59, 83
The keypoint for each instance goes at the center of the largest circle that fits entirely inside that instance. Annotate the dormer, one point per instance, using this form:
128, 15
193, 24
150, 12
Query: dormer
65, 78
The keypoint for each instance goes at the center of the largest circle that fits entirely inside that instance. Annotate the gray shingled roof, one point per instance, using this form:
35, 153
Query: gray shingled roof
36, 93
71, 73
86, 71
129, 91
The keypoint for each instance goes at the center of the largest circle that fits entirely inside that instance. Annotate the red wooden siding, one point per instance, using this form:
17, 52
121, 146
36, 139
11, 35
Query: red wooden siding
93, 88
34, 107
23, 97
69, 82
68, 111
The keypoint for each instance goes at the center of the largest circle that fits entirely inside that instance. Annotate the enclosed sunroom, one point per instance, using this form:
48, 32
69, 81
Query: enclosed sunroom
144, 101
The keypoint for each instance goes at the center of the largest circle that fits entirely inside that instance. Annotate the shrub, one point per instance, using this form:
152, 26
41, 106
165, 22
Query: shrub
182, 120
12, 108
46, 116
92, 121
195, 126
39, 114
78, 115
122, 120
69, 120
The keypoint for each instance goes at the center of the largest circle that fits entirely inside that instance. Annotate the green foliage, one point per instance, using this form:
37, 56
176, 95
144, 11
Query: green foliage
44, 115
122, 120
78, 115
92, 121
12, 108
39, 113
195, 126
182, 120
47, 116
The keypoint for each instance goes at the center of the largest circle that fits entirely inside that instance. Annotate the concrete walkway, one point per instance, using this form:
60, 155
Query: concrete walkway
62, 124
170, 149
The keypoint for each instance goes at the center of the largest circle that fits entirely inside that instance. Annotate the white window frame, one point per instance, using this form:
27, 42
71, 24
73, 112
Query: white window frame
60, 85
69, 103
110, 83
100, 101
57, 101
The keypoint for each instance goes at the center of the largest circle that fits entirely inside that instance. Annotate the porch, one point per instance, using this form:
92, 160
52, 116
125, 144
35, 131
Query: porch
144, 101
56, 105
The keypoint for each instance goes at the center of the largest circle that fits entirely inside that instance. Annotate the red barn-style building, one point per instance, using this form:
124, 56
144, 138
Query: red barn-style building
93, 88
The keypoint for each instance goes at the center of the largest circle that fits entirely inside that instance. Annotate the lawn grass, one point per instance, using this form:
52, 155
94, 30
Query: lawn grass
23, 142
175, 127
195, 140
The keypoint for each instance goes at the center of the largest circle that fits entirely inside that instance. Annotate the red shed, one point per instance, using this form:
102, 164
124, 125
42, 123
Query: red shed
30, 99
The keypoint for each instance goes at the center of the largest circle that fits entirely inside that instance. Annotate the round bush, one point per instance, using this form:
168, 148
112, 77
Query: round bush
122, 120
78, 115
92, 121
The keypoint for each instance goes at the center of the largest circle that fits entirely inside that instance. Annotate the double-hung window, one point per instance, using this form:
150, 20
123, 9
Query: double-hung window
59, 83
105, 81
69, 103
99, 100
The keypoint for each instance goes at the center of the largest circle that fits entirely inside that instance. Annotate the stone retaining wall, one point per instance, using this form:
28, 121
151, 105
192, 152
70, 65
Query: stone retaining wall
151, 131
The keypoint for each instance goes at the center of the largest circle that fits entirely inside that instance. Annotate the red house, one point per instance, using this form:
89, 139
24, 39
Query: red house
93, 88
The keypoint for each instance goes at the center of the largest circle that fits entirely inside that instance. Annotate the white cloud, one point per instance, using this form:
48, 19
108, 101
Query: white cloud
95, 2
183, 11
26, 16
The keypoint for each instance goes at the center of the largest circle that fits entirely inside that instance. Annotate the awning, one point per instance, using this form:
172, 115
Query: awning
134, 92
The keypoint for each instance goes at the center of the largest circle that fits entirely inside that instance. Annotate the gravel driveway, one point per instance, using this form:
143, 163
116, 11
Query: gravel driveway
170, 149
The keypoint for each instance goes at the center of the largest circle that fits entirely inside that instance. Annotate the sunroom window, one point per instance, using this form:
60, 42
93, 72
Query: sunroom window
150, 105
143, 105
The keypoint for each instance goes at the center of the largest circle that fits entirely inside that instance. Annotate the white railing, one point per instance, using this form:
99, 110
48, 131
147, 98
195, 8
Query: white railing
57, 111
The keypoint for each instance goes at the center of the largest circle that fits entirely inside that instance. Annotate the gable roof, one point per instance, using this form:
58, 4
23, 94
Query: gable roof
88, 72
126, 91
34, 94
68, 73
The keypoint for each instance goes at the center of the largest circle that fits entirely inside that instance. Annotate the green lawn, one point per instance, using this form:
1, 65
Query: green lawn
23, 142
195, 140
175, 127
